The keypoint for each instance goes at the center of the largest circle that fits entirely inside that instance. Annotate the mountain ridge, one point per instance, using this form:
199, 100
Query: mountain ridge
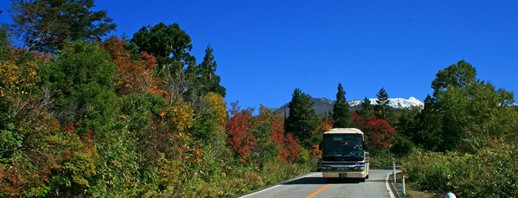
325, 105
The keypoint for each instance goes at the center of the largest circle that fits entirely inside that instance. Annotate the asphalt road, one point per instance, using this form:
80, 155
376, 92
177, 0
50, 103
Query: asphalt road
313, 185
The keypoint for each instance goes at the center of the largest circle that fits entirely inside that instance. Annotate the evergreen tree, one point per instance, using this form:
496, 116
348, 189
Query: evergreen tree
169, 44
205, 74
382, 107
341, 114
47, 25
82, 80
302, 120
367, 109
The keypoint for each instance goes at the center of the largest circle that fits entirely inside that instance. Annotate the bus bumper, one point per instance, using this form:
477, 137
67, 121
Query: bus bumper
362, 174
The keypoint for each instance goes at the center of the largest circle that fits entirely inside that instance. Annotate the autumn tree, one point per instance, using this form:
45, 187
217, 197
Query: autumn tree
206, 127
341, 113
302, 120
239, 131
135, 72
380, 134
47, 25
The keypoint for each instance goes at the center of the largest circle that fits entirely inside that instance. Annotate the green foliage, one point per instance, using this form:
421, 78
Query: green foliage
47, 25
82, 82
407, 120
10, 141
302, 121
205, 74
367, 109
382, 157
402, 147
341, 113
5, 51
463, 112
168, 43
488, 173
382, 108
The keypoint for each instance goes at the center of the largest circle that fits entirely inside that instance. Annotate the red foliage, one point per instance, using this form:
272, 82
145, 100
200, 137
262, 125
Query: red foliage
293, 148
379, 132
287, 146
278, 140
240, 138
134, 75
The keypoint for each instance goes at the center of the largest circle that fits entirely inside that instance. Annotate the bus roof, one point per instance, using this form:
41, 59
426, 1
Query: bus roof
344, 131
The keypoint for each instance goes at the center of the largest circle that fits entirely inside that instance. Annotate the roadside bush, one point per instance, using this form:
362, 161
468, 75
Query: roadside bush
488, 173
402, 147
381, 158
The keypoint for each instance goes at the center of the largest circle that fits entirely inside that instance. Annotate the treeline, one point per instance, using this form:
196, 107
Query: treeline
139, 117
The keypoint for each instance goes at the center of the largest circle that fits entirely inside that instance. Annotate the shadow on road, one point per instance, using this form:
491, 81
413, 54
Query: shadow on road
320, 180
307, 180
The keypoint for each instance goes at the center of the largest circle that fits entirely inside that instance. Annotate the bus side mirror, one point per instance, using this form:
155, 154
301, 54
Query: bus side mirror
365, 146
320, 145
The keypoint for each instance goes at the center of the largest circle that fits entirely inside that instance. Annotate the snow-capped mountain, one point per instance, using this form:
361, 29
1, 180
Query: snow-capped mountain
324, 105
396, 103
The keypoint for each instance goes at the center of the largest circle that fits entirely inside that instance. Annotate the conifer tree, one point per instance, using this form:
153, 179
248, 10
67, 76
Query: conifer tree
382, 107
341, 114
302, 120
47, 25
367, 109
205, 74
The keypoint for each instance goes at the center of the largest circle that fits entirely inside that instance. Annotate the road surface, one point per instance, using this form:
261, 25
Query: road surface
313, 185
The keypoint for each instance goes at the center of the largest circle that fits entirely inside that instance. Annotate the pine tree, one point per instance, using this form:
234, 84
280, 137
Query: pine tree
170, 44
47, 25
367, 109
341, 114
382, 107
206, 76
302, 121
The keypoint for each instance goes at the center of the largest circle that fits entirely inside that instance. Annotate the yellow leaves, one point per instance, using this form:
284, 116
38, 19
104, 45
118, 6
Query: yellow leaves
163, 114
219, 107
180, 117
17, 80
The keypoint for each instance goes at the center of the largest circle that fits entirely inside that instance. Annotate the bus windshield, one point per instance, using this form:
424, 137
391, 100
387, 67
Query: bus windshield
342, 147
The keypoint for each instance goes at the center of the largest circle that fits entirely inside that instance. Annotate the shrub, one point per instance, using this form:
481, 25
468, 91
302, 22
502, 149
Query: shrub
402, 147
488, 173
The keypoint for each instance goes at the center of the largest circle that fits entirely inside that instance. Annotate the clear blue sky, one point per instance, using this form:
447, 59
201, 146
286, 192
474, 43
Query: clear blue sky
266, 49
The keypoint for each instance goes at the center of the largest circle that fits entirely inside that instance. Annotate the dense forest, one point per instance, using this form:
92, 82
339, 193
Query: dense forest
83, 114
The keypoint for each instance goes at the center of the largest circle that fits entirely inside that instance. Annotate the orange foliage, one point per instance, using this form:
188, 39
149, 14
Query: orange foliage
326, 124
134, 75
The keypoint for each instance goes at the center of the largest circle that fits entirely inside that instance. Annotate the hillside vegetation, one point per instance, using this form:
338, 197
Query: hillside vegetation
82, 116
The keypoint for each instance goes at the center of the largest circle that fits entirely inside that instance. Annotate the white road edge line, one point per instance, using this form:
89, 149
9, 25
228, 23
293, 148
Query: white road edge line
261, 191
266, 189
387, 185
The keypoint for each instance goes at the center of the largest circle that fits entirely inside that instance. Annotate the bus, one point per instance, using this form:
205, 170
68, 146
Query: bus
344, 154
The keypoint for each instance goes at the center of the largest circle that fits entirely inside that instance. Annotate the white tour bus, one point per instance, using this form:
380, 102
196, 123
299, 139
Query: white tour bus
344, 154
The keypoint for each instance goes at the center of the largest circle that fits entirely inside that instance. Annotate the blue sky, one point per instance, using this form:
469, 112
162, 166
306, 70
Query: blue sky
265, 49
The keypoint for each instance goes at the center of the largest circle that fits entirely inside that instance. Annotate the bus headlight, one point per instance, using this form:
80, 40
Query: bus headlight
359, 168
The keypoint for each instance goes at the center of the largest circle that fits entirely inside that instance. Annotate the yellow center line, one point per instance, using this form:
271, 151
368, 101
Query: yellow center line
318, 191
